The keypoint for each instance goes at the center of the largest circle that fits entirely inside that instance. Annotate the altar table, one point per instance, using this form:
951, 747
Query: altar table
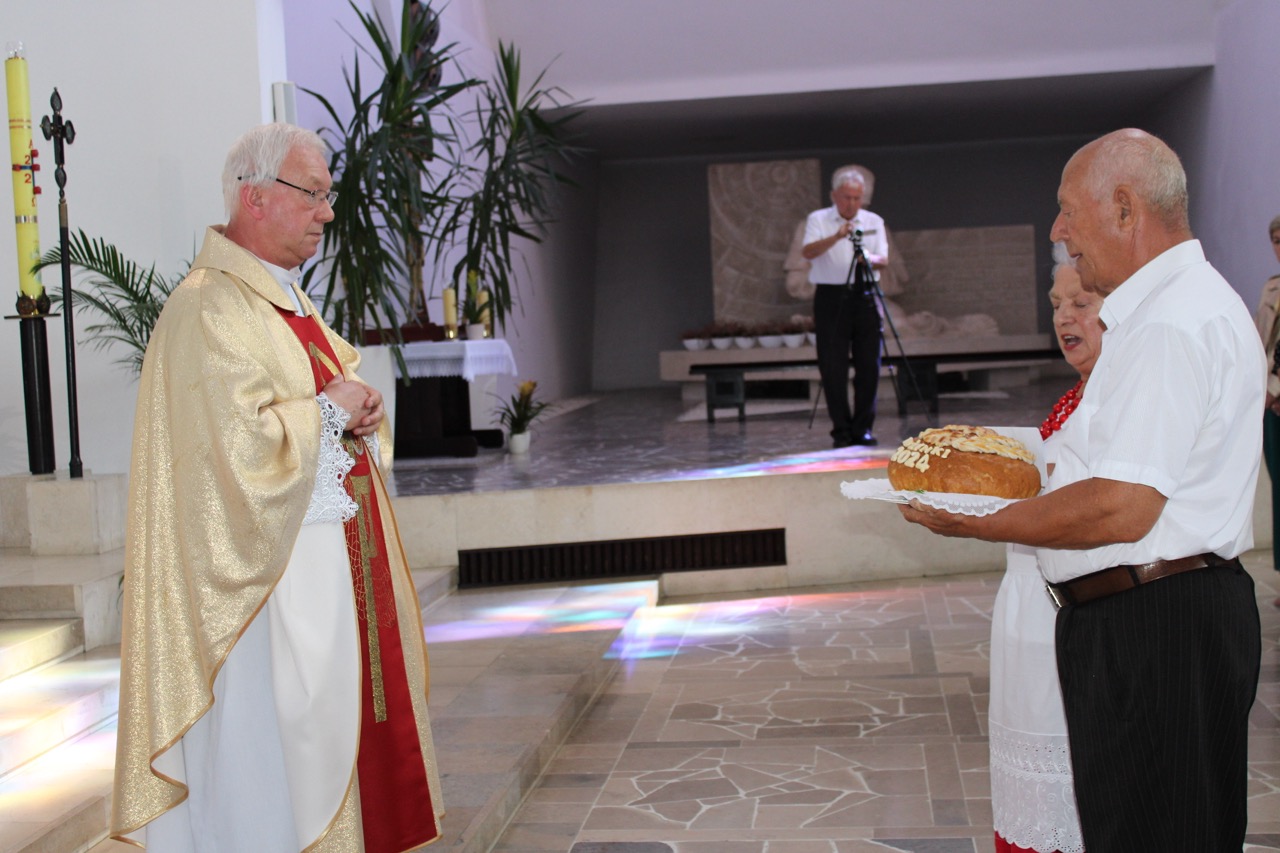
434, 410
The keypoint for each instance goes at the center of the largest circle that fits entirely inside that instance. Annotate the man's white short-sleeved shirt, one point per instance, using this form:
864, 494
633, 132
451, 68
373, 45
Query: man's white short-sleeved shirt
832, 266
1175, 403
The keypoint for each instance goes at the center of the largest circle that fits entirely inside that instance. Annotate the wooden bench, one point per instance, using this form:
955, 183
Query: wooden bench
725, 371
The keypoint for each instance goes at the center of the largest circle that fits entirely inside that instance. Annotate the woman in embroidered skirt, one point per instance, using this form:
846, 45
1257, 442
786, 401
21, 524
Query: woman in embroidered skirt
1032, 798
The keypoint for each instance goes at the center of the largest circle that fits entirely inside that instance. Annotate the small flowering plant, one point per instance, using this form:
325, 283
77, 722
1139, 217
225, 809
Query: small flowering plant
474, 305
518, 413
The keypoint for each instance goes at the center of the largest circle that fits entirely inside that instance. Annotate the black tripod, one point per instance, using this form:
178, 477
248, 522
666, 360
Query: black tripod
860, 278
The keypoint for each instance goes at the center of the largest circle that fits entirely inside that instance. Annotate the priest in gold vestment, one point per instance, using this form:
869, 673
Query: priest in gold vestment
274, 675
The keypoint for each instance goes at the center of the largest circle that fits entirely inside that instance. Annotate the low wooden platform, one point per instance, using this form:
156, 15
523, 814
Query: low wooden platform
915, 371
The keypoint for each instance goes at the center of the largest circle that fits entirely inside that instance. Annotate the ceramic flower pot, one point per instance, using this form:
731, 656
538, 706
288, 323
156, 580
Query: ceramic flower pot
475, 331
518, 442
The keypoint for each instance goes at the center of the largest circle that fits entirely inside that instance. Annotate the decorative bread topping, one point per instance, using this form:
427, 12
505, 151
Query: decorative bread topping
916, 452
965, 459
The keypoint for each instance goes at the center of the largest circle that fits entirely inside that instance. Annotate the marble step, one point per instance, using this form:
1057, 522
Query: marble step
43, 708
61, 801
82, 586
434, 585
29, 643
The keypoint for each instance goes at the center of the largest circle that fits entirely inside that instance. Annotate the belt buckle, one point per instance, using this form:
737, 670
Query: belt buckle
1058, 598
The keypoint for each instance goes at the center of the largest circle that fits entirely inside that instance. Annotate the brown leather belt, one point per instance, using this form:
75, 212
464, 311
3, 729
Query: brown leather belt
1106, 582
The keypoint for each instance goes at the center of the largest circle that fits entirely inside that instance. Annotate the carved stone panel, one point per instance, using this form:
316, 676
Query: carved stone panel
754, 210
965, 271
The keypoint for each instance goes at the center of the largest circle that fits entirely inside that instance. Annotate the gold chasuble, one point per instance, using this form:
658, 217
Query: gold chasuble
226, 447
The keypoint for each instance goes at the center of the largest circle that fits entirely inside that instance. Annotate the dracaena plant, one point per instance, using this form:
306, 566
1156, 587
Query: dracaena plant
387, 198
518, 152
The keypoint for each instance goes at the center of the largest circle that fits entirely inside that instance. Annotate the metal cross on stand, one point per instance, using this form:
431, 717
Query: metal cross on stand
64, 133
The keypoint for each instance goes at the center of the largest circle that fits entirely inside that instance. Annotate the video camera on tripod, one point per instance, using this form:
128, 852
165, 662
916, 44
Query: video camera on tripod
862, 280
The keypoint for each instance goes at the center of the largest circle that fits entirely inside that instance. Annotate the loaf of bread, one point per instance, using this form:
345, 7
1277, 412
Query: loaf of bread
967, 460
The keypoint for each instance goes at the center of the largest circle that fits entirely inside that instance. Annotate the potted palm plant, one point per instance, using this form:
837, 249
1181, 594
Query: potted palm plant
386, 198
506, 192
127, 296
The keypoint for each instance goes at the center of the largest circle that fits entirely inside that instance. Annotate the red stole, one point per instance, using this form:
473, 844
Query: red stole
395, 801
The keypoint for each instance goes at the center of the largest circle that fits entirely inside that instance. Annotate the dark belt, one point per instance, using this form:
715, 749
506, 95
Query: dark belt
1106, 582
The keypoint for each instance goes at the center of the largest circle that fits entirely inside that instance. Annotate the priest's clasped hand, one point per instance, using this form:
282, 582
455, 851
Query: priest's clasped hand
363, 403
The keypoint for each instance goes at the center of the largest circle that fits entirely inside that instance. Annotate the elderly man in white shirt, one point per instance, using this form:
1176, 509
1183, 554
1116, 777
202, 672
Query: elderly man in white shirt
1147, 511
846, 319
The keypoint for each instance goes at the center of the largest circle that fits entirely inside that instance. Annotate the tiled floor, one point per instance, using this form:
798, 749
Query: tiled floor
651, 435
845, 720
842, 721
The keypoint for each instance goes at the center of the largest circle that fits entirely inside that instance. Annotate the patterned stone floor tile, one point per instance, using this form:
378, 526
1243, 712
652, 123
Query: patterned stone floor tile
769, 739
538, 838
621, 847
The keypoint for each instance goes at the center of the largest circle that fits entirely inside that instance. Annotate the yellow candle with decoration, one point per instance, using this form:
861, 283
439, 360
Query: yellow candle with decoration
22, 157
450, 299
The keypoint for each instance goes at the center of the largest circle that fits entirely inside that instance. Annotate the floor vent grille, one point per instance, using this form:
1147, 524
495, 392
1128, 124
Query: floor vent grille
572, 561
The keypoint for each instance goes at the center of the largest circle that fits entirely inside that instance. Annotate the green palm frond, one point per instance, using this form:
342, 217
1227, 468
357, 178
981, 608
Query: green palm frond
126, 297
507, 192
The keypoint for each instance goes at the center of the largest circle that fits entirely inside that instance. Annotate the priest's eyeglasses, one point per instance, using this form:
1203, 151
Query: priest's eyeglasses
316, 196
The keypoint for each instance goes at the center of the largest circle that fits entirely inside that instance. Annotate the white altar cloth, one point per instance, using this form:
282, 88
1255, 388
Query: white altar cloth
468, 359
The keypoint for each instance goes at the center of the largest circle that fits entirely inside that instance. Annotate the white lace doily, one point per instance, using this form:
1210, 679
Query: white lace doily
880, 490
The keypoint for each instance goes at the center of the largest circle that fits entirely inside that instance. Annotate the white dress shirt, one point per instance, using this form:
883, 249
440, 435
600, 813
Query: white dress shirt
1172, 403
832, 266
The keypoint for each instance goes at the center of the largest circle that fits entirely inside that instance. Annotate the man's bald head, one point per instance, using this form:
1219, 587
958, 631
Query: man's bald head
1137, 159
1122, 201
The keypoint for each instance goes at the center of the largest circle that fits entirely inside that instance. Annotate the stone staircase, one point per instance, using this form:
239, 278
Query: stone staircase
506, 691
58, 700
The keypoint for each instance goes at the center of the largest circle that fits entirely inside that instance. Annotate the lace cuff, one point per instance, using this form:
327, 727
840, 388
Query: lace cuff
329, 500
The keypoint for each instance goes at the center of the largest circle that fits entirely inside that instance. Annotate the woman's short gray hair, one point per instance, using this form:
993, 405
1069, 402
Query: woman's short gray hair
255, 158
1275, 226
1061, 258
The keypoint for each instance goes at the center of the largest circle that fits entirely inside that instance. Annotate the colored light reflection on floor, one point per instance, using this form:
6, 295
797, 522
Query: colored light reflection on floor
594, 607
804, 463
647, 630
40, 708
659, 631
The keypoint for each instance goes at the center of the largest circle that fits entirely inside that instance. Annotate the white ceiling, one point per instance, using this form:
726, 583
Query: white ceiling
672, 77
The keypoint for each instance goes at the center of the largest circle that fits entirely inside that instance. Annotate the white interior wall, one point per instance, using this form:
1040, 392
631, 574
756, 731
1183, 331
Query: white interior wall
1228, 134
157, 92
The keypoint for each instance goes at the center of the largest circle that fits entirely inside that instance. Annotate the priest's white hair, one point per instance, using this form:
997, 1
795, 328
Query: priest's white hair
255, 158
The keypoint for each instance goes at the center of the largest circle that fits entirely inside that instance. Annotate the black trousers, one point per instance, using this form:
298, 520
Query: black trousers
1157, 683
1271, 452
847, 326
